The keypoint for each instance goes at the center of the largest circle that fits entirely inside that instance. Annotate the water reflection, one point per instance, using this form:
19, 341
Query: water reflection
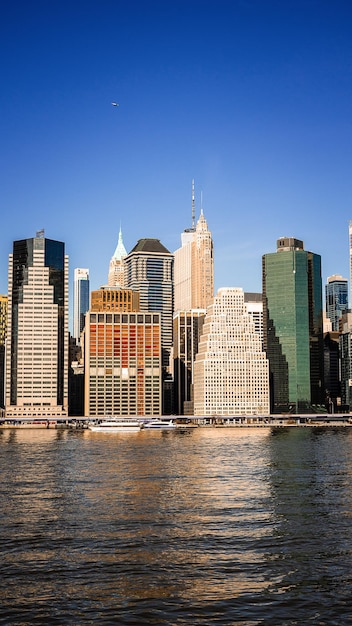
218, 526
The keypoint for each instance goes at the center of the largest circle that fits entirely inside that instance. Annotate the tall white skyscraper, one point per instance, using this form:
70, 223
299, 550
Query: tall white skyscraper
80, 300
194, 266
254, 306
116, 277
37, 333
231, 372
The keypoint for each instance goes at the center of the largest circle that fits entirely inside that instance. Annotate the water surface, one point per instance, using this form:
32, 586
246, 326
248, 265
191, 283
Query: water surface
213, 526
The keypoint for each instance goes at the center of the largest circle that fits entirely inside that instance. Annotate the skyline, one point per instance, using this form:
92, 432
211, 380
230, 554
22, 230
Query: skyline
252, 102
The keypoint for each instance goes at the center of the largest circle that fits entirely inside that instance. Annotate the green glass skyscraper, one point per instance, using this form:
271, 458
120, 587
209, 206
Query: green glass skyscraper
293, 330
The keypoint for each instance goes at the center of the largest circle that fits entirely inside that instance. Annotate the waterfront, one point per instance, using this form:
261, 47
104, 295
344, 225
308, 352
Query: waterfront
210, 526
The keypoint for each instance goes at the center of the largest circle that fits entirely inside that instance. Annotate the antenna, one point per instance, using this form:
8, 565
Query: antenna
193, 208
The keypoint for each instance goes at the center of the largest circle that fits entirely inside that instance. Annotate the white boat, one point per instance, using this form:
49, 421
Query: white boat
160, 425
117, 425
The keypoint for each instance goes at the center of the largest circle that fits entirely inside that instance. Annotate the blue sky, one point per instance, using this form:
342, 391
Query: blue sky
252, 99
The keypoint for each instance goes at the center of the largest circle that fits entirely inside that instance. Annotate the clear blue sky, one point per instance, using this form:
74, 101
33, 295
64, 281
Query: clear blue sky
252, 99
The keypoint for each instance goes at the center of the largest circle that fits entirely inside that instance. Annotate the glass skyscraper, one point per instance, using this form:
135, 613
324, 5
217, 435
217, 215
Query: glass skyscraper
80, 300
336, 299
293, 332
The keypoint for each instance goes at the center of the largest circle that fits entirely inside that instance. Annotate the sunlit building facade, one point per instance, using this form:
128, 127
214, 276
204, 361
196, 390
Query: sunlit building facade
254, 306
116, 276
194, 292
122, 356
231, 372
149, 269
37, 344
194, 266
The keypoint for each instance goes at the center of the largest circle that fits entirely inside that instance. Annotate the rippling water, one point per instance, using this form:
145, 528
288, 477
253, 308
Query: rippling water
214, 526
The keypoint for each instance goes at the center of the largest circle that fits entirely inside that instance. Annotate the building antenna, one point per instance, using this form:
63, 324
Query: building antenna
193, 207
201, 202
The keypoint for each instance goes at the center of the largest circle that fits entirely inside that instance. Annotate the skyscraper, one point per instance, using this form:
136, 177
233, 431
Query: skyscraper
336, 299
350, 244
194, 292
194, 266
254, 306
3, 334
187, 330
122, 353
231, 371
116, 276
37, 345
80, 300
149, 270
293, 332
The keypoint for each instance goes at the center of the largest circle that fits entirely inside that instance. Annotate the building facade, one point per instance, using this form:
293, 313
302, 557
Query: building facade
194, 266
231, 372
254, 306
187, 330
3, 334
293, 327
122, 357
116, 276
80, 300
37, 343
194, 292
350, 250
149, 270
336, 299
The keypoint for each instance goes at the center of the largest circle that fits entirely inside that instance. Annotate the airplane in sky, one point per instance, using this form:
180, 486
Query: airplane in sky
115, 104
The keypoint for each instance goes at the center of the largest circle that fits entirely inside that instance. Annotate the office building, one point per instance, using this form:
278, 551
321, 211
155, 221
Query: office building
350, 248
332, 387
80, 300
293, 327
116, 277
187, 330
122, 357
194, 292
231, 372
149, 270
336, 299
3, 332
194, 266
37, 333
345, 343
254, 306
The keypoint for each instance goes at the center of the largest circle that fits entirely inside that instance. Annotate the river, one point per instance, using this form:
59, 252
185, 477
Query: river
211, 526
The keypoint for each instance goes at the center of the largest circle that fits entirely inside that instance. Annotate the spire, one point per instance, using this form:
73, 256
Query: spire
193, 207
120, 251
